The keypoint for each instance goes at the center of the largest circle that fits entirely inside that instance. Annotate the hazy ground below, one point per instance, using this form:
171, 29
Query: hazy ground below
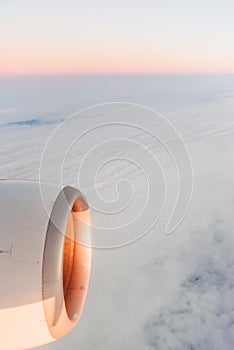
163, 292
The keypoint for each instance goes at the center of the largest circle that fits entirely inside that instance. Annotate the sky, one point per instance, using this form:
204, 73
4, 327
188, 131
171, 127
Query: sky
112, 37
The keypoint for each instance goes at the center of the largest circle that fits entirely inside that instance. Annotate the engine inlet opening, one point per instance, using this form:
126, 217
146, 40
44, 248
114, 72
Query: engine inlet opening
67, 262
68, 257
76, 260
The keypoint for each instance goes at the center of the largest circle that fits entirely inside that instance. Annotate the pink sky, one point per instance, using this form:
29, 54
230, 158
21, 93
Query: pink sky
74, 38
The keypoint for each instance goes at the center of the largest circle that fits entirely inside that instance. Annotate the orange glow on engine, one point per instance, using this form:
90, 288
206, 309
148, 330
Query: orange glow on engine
76, 274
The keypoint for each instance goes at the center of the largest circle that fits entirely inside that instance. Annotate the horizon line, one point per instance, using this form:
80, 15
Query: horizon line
114, 74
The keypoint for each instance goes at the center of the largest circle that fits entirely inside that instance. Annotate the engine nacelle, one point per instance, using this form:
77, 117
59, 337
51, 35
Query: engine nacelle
45, 262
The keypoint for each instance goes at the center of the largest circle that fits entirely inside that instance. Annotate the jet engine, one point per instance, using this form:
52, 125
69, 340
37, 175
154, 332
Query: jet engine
45, 262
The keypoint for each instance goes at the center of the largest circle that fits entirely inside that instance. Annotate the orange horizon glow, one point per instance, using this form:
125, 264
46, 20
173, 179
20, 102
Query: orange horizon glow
45, 60
14, 66
92, 62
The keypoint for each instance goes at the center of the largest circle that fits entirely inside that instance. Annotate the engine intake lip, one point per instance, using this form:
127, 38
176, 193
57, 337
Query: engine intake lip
66, 262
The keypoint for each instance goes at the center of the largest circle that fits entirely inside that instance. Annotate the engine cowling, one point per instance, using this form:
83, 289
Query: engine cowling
45, 259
